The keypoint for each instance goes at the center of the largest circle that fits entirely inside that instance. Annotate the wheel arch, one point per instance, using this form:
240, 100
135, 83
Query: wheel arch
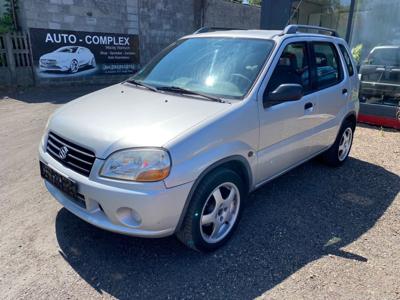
352, 117
237, 163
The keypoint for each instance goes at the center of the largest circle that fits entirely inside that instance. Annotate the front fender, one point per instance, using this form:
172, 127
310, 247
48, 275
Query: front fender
196, 163
234, 133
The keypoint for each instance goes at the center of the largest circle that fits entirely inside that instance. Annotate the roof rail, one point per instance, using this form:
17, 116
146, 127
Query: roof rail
291, 29
212, 29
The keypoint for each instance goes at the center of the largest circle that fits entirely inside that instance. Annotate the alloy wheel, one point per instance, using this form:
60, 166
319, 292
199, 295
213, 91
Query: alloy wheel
345, 144
220, 212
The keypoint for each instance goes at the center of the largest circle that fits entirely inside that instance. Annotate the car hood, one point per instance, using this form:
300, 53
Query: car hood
57, 55
123, 116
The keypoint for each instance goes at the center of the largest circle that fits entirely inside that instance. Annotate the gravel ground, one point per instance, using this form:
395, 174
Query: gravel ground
314, 233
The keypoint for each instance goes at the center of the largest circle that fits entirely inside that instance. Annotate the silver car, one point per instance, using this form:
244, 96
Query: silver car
177, 148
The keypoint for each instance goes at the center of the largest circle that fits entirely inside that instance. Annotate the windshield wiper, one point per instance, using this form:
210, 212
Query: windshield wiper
139, 83
177, 89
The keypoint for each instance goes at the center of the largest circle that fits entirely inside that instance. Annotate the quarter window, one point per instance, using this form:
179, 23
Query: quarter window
347, 60
326, 61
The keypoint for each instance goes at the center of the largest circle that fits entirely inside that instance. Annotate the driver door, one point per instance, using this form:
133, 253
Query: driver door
286, 128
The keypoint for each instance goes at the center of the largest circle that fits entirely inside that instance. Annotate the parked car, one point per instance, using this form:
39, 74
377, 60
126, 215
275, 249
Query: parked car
68, 58
380, 87
380, 76
177, 148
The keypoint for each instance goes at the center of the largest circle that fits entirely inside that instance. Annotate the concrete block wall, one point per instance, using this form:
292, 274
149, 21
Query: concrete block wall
116, 16
158, 22
162, 22
220, 13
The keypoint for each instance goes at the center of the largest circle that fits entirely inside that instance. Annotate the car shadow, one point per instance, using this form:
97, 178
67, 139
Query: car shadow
304, 215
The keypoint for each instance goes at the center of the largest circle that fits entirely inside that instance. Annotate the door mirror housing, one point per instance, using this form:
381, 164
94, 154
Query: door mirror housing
284, 93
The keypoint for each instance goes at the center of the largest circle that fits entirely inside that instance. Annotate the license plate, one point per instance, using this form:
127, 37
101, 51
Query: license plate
61, 182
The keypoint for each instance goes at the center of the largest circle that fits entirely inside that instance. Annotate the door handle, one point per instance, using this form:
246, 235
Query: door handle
344, 91
308, 106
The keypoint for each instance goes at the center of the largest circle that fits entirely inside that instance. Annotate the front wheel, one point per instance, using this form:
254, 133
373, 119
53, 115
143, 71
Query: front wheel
340, 150
214, 211
74, 66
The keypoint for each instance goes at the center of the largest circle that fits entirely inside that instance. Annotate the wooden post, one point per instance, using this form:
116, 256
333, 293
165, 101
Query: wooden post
10, 57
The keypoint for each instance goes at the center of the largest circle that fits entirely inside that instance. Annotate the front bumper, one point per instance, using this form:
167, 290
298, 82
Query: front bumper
136, 209
53, 67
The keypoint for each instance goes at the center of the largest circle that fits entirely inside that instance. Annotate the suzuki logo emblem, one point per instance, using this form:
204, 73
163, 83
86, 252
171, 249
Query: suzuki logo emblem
63, 152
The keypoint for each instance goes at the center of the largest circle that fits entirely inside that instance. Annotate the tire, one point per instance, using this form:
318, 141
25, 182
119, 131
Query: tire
335, 156
74, 66
225, 216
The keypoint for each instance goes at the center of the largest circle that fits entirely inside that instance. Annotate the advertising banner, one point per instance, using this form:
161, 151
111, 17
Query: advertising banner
61, 53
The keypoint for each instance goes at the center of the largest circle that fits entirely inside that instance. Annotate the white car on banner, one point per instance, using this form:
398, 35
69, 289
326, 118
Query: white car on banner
68, 58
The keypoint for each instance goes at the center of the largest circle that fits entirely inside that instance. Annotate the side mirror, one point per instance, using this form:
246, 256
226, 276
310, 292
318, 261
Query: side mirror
284, 93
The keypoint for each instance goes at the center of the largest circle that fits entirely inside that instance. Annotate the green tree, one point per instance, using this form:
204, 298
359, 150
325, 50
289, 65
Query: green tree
255, 2
8, 19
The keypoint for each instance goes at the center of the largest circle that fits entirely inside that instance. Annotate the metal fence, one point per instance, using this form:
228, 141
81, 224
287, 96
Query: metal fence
15, 60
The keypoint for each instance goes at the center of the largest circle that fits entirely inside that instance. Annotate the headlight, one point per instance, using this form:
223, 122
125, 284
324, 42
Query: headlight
137, 165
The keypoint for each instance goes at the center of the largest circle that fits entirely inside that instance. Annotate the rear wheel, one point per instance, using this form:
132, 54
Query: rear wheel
339, 152
214, 211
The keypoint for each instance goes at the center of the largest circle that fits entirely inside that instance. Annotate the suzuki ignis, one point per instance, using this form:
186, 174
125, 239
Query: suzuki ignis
176, 148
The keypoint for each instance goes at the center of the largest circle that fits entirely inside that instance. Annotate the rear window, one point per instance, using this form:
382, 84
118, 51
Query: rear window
347, 60
327, 63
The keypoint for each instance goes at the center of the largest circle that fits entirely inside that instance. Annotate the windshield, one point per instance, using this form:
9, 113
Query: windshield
385, 56
67, 49
224, 67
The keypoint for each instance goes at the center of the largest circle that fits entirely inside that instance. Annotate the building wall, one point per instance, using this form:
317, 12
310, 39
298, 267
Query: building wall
158, 22
220, 13
117, 16
162, 22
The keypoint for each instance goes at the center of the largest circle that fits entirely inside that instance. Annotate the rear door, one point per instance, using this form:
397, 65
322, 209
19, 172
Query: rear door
332, 87
351, 72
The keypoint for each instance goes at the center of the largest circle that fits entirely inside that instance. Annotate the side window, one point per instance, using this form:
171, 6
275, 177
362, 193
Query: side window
347, 60
293, 67
327, 64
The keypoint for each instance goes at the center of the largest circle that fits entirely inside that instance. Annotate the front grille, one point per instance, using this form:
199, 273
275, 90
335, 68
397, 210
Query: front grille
77, 158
